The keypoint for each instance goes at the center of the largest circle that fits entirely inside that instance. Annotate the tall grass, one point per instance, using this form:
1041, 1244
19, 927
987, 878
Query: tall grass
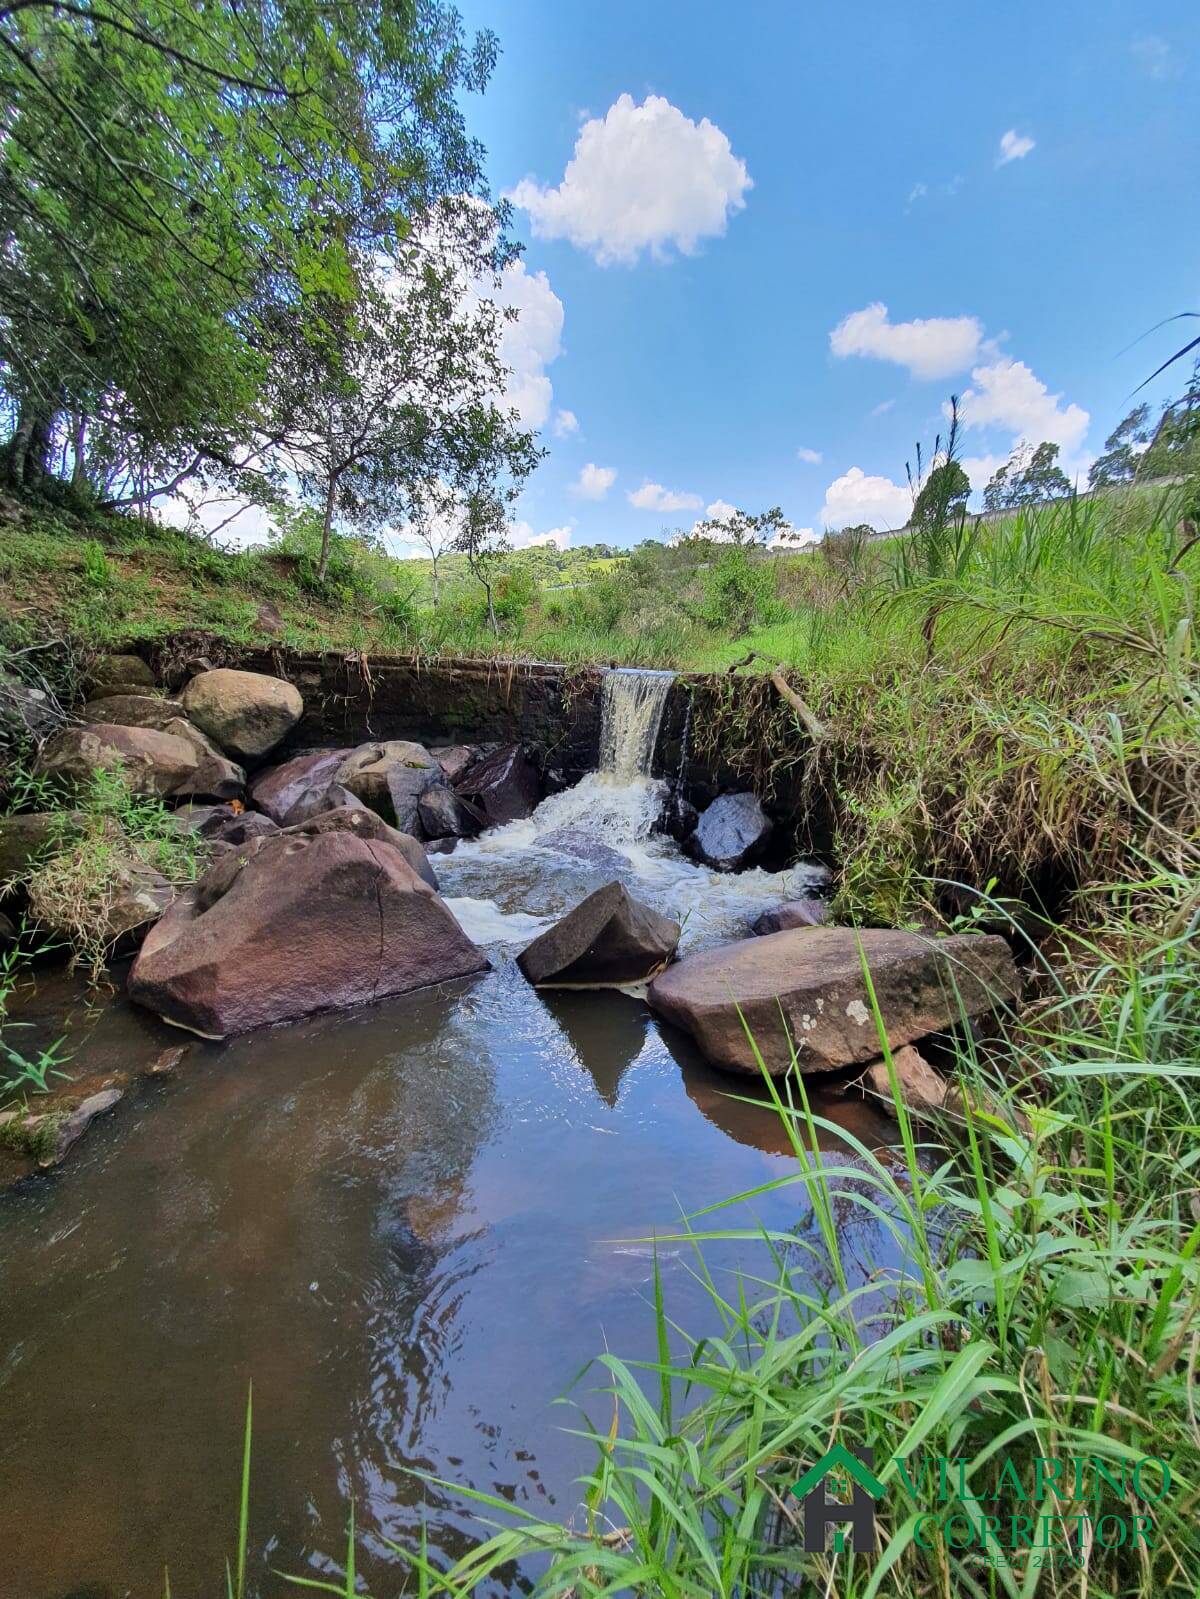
1046, 1309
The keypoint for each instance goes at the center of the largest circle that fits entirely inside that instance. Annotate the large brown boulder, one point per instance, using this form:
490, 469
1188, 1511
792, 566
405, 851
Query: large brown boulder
609, 938
807, 985
504, 785
152, 762
247, 713
280, 789
134, 710
390, 777
357, 819
298, 923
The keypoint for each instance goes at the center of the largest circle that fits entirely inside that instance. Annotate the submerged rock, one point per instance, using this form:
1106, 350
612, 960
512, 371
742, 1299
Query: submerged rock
302, 922
73, 1127
295, 785
504, 785
732, 833
609, 937
576, 841
792, 913
247, 713
806, 985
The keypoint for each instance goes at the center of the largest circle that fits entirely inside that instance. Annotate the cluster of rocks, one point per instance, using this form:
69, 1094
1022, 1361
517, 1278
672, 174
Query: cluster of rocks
320, 893
794, 998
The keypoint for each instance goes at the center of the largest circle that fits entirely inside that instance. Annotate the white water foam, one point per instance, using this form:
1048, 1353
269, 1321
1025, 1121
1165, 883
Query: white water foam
616, 807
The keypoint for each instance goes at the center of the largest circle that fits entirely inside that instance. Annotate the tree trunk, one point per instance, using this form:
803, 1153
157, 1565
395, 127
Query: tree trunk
491, 609
326, 527
28, 451
437, 593
78, 443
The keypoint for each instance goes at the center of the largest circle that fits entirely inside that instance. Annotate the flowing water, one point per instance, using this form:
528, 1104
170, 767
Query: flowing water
411, 1225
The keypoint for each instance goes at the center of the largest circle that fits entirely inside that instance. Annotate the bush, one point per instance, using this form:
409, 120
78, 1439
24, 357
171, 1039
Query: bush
739, 590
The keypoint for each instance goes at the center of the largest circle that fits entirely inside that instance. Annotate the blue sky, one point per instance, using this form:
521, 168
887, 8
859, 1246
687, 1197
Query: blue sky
706, 193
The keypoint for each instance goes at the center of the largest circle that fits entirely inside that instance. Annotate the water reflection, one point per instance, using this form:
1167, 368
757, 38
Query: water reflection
411, 1225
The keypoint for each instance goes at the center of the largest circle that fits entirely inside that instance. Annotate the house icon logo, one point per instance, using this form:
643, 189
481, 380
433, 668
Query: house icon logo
819, 1510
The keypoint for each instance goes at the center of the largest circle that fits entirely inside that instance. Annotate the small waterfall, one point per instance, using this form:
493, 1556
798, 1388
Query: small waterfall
632, 703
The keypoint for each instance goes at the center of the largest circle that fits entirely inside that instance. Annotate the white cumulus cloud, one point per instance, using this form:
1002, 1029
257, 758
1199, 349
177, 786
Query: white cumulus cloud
565, 424
857, 497
653, 497
1006, 394
812, 457
643, 177
522, 537
594, 482
1014, 146
531, 341
930, 347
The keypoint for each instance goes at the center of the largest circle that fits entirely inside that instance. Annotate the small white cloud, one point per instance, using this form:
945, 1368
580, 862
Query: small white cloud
930, 347
882, 408
919, 191
653, 497
530, 341
812, 457
522, 537
1006, 394
565, 424
1014, 146
856, 497
594, 482
1155, 57
793, 538
981, 469
643, 177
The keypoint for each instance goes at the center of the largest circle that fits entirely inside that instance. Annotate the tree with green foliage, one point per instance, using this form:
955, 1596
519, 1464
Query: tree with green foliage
1174, 451
747, 528
399, 393
1028, 477
943, 494
178, 183
1123, 449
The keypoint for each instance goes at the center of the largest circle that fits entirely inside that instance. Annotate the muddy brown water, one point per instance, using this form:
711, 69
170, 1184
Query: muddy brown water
411, 1226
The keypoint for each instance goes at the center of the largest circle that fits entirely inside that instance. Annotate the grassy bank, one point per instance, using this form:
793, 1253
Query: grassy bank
1012, 704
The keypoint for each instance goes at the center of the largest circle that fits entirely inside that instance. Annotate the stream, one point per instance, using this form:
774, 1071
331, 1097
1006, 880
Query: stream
411, 1226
